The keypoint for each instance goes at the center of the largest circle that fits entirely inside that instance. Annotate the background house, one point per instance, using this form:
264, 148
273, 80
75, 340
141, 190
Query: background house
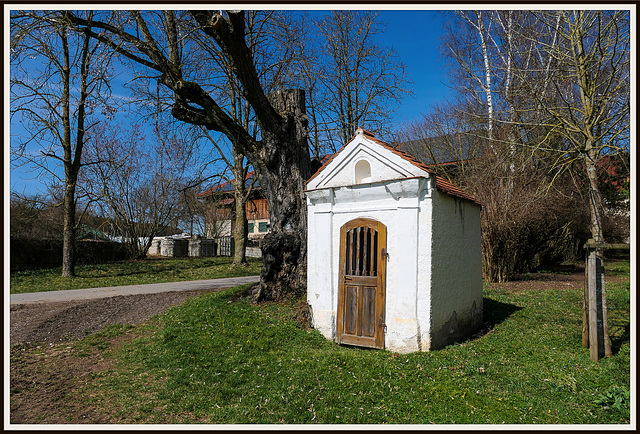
220, 210
220, 207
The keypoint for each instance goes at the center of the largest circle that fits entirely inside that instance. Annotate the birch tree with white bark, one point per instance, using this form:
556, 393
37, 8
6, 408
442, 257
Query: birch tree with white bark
547, 91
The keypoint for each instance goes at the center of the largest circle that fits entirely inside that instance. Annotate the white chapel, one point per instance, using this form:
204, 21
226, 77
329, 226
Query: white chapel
394, 251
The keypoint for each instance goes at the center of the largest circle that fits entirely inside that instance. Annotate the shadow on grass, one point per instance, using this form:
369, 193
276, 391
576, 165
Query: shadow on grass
494, 313
620, 339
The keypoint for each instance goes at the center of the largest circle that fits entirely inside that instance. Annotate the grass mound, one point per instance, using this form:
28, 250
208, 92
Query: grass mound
219, 359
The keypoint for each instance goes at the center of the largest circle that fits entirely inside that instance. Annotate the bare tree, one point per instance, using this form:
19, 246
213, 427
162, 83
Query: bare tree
140, 183
590, 79
57, 82
524, 222
241, 193
193, 210
359, 81
442, 137
553, 86
308, 70
271, 37
280, 157
556, 82
590, 115
35, 217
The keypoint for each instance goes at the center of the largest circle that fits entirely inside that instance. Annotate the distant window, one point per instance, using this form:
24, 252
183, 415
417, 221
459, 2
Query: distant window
250, 228
363, 172
263, 227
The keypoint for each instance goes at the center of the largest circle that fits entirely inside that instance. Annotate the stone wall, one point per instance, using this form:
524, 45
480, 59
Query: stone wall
198, 247
154, 249
202, 247
174, 248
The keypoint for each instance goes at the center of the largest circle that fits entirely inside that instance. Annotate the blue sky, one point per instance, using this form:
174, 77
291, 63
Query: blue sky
414, 35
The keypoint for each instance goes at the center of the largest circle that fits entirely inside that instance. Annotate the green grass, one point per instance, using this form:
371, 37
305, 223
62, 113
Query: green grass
131, 273
620, 268
101, 340
216, 360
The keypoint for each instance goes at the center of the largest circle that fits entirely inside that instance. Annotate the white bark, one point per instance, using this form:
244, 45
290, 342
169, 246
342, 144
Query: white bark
487, 74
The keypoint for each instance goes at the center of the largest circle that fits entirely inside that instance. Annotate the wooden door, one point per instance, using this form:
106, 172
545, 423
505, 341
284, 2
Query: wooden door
361, 297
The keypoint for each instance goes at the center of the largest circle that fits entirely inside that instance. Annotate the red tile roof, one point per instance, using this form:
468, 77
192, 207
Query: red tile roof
441, 184
228, 186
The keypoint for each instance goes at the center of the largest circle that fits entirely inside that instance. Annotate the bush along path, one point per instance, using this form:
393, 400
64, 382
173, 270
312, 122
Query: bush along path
217, 358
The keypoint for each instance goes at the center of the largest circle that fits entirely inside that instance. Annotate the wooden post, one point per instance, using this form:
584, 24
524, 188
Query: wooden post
585, 304
596, 338
595, 327
605, 316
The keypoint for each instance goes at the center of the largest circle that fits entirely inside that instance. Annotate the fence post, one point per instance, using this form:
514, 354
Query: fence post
605, 314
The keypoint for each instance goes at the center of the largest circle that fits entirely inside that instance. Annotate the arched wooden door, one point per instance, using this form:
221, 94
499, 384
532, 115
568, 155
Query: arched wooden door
361, 297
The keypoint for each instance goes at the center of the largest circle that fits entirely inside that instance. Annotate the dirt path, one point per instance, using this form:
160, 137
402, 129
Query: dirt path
46, 373
55, 322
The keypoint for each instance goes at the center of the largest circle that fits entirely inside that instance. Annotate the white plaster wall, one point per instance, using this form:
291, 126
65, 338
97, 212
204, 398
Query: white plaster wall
320, 271
434, 268
401, 320
423, 312
399, 206
456, 265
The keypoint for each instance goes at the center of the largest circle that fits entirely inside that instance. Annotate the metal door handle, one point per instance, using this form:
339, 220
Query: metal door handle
382, 324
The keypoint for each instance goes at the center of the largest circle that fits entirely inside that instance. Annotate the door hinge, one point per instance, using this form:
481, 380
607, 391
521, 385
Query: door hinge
384, 253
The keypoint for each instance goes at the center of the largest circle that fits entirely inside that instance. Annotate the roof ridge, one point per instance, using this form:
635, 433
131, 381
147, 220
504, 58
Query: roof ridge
441, 184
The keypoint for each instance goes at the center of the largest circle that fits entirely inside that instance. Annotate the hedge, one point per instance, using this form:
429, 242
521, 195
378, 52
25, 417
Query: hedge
28, 253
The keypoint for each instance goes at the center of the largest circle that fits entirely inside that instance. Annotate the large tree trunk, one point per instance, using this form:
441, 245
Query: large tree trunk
71, 164
284, 168
69, 232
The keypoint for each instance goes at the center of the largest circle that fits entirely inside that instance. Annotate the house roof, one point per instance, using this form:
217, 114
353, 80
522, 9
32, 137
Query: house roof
227, 187
441, 184
86, 231
616, 167
431, 150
